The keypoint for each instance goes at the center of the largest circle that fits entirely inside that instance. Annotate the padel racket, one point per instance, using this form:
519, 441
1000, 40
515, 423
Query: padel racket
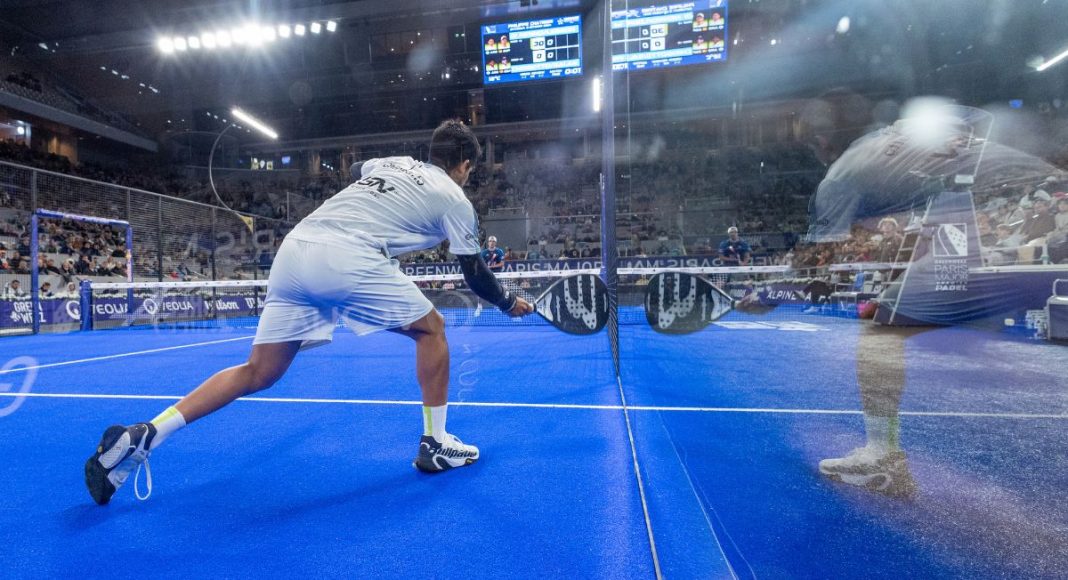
678, 303
575, 304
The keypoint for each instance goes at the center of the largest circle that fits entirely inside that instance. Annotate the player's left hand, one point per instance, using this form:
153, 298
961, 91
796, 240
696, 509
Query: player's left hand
521, 308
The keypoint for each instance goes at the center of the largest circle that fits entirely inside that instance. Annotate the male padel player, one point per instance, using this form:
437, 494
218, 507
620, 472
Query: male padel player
336, 262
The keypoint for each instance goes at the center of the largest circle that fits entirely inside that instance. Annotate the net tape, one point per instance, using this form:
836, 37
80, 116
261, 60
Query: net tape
238, 303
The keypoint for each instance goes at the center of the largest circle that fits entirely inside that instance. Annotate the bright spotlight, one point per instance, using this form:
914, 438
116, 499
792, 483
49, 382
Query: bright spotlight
1052, 61
222, 38
299, 30
843, 25
267, 33
254, 123
179, 43
283, 31
331, 26
316, 28
194, 42
208, 40
238, 35
166, 45
252, 35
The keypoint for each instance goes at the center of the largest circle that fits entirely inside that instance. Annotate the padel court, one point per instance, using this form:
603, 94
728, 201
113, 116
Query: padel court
694, 469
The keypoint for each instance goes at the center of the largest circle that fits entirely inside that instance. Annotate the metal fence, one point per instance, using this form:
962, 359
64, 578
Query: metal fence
173, 238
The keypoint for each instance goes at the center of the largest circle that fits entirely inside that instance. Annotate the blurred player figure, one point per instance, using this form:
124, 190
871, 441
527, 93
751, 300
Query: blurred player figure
734, 251
336, 263
492, 255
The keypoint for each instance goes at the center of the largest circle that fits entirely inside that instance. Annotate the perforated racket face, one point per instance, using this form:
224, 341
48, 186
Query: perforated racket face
677, 303
576, 304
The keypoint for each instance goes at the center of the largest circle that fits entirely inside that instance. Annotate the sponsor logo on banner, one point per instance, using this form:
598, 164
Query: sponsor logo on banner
951, 241
951, 258
439, 269
73, 310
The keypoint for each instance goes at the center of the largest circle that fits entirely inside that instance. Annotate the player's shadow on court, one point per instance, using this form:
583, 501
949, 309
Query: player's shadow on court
80, 518
367, 490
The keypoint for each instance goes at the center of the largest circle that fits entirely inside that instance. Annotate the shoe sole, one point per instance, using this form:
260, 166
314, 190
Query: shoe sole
438, 468
96, 477
901, 487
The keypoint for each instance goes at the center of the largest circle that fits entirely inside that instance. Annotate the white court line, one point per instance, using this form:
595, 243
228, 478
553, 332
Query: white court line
122, 355
770, 410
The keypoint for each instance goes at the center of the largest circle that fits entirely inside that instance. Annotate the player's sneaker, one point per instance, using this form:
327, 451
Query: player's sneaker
885, 472
121, 449
434, 456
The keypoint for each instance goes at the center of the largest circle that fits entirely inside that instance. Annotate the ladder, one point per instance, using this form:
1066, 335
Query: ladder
895, 278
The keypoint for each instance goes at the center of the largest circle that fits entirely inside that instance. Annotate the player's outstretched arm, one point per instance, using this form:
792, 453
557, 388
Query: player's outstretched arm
485, 285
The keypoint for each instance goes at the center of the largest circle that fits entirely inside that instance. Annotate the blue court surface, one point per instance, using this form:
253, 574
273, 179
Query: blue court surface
726, 427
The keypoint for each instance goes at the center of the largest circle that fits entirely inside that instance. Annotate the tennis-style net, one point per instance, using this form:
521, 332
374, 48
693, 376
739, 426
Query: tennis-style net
774, 284
238, 304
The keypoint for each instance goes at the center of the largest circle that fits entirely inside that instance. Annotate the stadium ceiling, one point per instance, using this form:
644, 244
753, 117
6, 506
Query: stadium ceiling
106, 50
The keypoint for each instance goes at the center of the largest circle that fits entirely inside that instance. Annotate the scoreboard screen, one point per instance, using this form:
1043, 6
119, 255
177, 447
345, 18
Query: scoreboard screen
532, 50
661, 35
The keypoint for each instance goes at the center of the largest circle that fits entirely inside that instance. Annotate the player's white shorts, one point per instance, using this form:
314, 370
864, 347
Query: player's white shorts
312, 284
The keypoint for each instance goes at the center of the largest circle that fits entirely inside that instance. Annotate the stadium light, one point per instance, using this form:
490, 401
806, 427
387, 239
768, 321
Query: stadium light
179, 43
1052, 61
283, 30
238, 34
596, 94
331, 26
166, 45
252, 35
222, 38
299, 30
316, 28
267, 33
254, 123
207, 40
194, 42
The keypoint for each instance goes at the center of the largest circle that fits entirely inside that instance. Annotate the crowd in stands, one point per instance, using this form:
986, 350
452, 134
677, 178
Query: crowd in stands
677, 202
25, 80
29, 86
66, 249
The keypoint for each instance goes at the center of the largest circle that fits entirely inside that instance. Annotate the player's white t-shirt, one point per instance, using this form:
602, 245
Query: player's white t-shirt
400, 205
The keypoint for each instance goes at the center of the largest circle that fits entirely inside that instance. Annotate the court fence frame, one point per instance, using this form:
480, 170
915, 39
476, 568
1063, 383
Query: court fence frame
170, 232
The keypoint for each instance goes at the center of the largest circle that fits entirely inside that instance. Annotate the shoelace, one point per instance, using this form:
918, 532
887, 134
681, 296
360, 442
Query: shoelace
148, 480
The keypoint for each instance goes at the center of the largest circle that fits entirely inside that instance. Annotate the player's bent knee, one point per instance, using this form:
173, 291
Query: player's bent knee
260, 376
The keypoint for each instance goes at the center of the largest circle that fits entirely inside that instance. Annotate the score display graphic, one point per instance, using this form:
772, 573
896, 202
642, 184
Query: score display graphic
664, 35
532, 50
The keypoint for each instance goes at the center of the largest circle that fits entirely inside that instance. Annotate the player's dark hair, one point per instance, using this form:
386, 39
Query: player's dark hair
452, 144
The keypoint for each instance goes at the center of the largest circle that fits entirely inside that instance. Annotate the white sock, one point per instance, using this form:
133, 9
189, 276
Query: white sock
434, 421
882, 432
167, 422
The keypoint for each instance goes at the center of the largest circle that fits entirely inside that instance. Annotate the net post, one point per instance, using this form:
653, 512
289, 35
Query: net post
129, 264
609, 254
35, 298
159, 238
85, 304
